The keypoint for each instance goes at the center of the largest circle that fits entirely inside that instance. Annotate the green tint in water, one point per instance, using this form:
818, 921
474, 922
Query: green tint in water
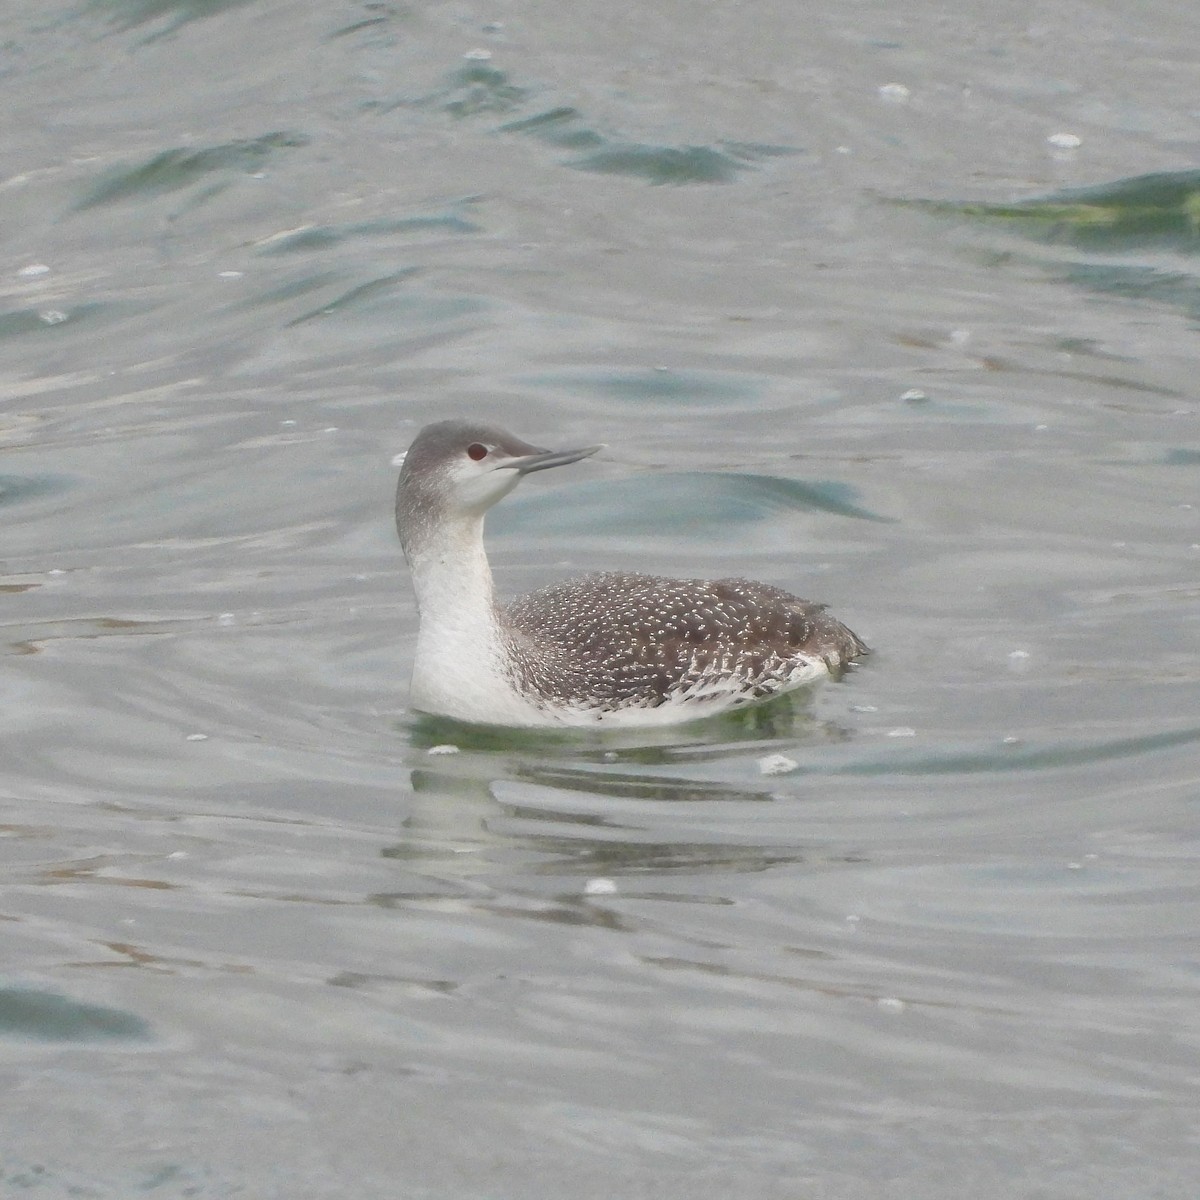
15, 489
51, 1017
1175, 289
1161, 210
786, 715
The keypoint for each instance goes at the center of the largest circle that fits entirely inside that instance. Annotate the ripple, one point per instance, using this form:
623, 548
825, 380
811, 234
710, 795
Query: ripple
480, 88
322, 237
564, 127
1001, 758
671, 164
696, 387
1174, 289
54, 321
679, 503
128, 14
474, 88
179, 168
360, 296
557, 127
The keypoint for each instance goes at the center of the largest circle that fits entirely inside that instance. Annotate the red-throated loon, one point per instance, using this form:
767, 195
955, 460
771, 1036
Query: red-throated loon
612, 649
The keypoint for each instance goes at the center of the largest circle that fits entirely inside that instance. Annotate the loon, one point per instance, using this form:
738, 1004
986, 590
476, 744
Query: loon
609, 649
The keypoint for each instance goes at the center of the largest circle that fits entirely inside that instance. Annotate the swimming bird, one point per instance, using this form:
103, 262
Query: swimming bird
610, 649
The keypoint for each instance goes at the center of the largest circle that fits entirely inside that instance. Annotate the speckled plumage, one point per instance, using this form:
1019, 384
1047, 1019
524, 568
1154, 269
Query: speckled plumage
612, 648
613, 640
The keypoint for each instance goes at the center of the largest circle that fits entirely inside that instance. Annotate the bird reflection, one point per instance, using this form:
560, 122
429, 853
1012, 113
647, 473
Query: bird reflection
585, 803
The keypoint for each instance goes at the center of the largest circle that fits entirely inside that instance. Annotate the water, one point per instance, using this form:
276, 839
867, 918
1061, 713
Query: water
258, 940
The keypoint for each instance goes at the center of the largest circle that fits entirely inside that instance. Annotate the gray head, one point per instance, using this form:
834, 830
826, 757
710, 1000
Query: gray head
456, 470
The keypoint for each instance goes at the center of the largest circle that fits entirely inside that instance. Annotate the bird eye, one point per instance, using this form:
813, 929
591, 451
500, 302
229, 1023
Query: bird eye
477, 450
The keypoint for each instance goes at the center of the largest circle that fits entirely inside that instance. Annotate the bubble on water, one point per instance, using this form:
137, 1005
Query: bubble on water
478, 55
864, 708
600, 887
894, 93
902, 731
227, 618
52, 316
33, 270
891, 1004
197, 737
230, 274
1065, 141
445, 748
776, 764
913, 396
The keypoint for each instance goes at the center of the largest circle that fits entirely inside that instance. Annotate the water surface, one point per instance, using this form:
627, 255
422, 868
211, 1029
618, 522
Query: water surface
262, 935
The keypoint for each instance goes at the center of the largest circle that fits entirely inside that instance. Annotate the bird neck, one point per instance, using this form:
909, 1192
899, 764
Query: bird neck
455, 595
450, 572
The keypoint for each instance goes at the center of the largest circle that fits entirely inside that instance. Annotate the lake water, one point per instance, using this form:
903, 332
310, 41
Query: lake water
257, 940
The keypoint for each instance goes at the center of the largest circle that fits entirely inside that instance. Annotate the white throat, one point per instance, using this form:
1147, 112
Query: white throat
459, 667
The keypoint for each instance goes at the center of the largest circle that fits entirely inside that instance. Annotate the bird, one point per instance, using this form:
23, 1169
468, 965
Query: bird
613, 649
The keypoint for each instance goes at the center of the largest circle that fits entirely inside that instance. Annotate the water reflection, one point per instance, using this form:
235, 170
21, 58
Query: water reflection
623, 802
